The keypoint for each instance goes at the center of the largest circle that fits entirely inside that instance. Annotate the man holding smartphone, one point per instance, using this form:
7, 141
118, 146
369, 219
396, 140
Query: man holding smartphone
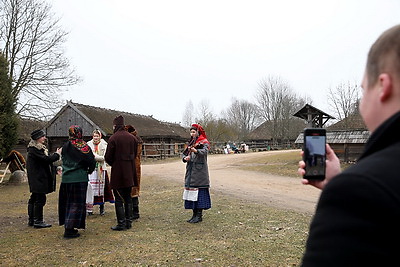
358, 214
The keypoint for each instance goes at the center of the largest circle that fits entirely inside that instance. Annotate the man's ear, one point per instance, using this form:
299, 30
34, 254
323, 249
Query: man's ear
386, 87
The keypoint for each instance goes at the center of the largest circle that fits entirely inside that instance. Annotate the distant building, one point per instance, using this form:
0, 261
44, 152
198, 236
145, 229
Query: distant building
25, 127
160, 138
346, 137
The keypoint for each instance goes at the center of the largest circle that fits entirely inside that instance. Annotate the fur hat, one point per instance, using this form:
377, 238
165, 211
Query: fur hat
119, 121
36, 134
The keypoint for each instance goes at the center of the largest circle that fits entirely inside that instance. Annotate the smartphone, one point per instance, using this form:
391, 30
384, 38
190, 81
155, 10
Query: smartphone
314, 153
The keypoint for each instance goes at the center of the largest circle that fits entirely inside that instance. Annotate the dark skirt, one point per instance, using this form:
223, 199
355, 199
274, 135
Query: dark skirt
203, 200
72, 205
108, 195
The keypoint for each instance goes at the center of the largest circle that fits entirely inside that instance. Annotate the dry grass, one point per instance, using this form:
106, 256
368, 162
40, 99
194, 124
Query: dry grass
284, 164
234, 232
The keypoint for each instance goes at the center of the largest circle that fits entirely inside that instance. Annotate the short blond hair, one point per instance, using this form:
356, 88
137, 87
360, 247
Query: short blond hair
384, 56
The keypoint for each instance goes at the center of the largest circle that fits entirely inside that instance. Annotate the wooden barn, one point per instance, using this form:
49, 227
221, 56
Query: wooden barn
261, 138
161, 139
346, 137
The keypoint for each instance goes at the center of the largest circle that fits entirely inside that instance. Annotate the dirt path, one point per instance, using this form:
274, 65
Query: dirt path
226, 177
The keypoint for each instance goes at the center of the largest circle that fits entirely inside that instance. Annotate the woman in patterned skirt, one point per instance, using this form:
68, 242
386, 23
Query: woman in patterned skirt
197, 181
99, 190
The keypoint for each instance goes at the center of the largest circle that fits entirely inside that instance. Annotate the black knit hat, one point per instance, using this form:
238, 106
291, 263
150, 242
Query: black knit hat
119, 121
36, 134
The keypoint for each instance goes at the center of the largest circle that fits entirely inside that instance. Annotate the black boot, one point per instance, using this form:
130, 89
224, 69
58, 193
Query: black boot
102, 212
71, 233
194, 214
120, 213
38, 217
30, 215
198, 217
135, 210
128, 215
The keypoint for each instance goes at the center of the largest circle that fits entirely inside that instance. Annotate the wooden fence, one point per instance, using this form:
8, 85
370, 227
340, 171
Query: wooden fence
162, 150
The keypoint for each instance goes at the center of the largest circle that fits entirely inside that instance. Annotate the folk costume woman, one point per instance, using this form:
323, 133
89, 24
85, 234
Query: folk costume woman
78, 162
41, 177
99, 189
197, 181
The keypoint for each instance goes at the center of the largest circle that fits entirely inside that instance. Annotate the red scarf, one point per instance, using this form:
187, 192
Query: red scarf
202, 139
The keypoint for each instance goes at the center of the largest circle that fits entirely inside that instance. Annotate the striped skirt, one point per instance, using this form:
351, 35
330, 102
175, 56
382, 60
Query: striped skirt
72, 205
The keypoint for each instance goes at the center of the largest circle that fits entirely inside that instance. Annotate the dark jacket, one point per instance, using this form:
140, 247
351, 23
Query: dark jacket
358, 215
197, 168
40, 169
76, 165
120, 155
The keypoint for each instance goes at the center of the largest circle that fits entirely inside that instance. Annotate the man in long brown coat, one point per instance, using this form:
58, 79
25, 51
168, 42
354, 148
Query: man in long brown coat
120, 155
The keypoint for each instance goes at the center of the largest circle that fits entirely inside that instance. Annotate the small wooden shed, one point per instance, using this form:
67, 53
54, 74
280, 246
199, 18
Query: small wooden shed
346, 137
158, 137
347, 144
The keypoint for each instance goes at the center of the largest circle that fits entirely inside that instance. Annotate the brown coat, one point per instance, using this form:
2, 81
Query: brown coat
136, 189
120, 155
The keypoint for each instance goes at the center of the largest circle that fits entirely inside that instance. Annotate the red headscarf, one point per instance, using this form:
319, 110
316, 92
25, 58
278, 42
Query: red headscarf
202, 139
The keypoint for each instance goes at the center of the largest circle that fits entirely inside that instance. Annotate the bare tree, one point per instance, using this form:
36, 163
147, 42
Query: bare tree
204, 113
277, 103
218, 130
188, 114
31, 40
343, 99
243, 116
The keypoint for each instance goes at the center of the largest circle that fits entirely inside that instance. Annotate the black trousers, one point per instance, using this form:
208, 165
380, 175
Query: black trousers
122, 195
38, 199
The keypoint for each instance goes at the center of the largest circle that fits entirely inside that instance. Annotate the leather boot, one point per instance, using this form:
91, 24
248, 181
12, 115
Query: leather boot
120, 213
30, 215
102, 212
71, 233
38, 217
135, 210
198, 217
194, 214
128, 215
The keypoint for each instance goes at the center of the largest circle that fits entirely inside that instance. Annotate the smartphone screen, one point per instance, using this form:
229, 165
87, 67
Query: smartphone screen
314, 153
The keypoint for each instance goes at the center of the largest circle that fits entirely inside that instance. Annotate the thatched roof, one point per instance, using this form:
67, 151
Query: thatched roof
26, 126
102, 119
261, 133
352, 122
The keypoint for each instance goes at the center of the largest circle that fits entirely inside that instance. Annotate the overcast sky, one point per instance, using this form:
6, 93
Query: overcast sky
152, 57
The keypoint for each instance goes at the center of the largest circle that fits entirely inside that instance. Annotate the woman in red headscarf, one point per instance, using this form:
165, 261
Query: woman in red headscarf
197, 180
78, 161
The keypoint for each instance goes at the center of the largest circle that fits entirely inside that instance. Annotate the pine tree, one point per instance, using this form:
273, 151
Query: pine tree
8, 117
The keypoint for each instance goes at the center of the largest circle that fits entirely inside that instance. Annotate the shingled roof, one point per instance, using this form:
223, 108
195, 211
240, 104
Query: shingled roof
102, 119
342, 137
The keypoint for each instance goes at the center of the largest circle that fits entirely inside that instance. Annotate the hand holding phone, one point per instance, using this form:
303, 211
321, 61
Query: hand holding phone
314, 154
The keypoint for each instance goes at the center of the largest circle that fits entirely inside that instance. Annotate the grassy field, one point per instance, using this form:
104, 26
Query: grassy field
234, 232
